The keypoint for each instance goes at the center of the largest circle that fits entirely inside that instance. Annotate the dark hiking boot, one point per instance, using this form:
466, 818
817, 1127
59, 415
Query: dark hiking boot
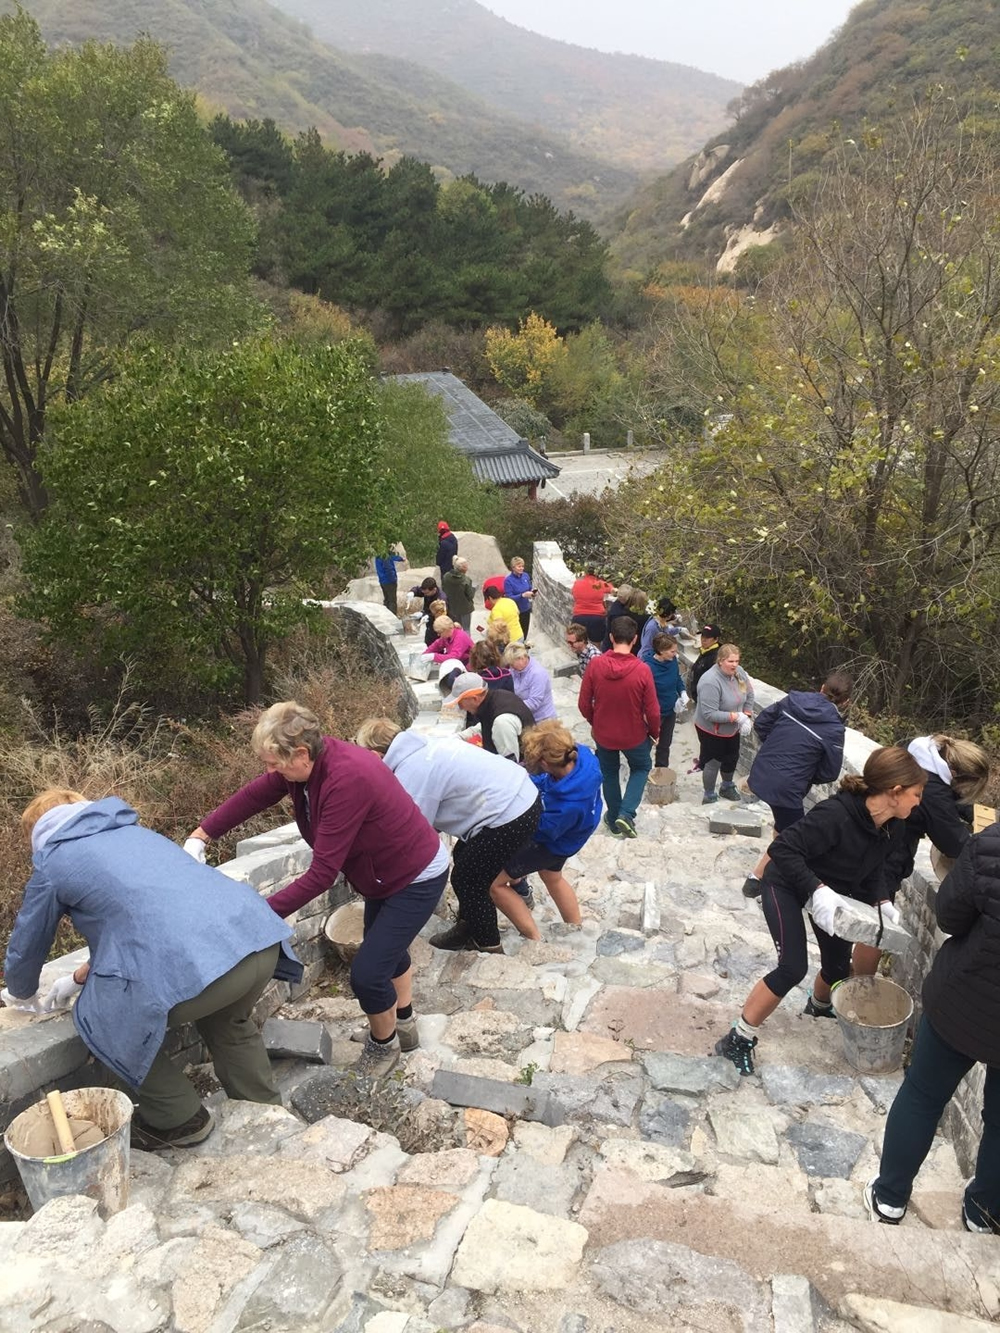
738, 1049
752, 887
729, 791
196, 1130
815, 1010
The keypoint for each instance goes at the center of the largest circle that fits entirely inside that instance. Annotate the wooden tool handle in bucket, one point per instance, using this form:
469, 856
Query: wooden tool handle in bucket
61, 1121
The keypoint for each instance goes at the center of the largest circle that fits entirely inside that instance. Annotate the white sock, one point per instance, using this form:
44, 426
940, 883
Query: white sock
745, 1029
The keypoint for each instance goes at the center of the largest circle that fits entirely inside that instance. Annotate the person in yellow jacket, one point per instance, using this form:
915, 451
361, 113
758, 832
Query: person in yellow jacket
505, 609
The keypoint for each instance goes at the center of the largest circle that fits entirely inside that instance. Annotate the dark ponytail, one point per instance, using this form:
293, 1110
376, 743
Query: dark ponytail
884, 771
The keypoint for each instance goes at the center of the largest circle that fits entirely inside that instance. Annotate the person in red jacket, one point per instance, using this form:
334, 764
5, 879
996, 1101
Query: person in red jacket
356, 816
618, 699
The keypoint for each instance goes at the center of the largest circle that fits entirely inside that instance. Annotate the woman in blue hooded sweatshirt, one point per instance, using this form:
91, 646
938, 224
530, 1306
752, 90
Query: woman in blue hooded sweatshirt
568, 777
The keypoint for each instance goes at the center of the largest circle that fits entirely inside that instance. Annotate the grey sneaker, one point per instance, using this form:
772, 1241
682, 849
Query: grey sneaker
376, 1061
710, 798
406, 1031
523, 890
729, 791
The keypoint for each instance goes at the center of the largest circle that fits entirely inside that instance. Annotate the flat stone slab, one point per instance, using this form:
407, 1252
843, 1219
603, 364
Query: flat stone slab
285, 1038
547, 1189
659, 1278
405, 1215
653, 1161
605, 1099
580, 1052
876, 1316
656, 1019
791, 1085
748, 1134
860, 923
824, 1149
507, 1247
507, 1099
689, 1074
614, 942
735, 820
665, 1121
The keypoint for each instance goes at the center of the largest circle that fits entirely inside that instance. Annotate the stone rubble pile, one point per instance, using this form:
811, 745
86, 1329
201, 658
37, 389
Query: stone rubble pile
650, 1189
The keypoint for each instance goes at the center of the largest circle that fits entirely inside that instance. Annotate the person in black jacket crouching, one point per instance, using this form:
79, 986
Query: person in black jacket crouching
957, 774
839, 847
960, 1027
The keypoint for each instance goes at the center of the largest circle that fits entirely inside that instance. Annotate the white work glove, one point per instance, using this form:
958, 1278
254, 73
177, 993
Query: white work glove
745, 724
822, 907
890, 912
682, 703
32, 1005
62, 992
196, 847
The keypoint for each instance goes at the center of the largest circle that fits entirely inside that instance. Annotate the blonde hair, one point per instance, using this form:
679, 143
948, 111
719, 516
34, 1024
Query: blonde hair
624, 593
513, 653
283, 728
884, 771
377, 733
443, 624
44, 802
638, 601
548, 742
498, 631
969, 764
726, 651
516, 560
437, 609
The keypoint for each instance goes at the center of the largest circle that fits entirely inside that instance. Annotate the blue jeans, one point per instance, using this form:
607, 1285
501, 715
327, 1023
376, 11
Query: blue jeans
639, 762
935, 1071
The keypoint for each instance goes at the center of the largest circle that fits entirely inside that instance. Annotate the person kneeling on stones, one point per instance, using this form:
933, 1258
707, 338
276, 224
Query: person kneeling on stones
957, 775
959, 1028
357, 818
568, 777
489, 805
838, 848
171, 942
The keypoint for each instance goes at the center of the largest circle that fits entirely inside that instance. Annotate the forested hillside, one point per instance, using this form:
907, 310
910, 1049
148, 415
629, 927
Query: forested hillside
248, 59
787, 128
643, 114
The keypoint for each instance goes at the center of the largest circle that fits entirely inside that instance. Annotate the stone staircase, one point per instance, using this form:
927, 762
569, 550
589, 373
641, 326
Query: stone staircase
666, 1193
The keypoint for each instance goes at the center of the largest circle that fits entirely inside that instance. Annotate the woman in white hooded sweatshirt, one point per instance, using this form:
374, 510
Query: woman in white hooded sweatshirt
489, 804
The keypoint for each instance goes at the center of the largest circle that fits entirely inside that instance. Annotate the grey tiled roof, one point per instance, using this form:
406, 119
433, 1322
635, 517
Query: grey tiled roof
496, 451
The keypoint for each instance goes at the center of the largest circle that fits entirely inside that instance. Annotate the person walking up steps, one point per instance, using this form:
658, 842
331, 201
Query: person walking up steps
838, 848
618, 699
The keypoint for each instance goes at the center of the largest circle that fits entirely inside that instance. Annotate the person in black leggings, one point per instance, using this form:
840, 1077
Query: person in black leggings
839, 847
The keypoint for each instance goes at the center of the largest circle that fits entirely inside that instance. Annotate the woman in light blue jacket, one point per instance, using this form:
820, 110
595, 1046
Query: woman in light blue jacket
171, 942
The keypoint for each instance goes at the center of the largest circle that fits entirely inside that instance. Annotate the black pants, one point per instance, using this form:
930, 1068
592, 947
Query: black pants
594, 625
665, 738
787, 923
390, 597
477, 863
525, 618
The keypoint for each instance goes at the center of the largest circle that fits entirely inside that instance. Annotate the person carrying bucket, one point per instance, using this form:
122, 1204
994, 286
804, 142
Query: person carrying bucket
960, 1027
838, 848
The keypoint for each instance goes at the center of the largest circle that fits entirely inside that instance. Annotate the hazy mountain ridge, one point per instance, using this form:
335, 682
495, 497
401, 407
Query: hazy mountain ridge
743, 185
641, 113
251, 60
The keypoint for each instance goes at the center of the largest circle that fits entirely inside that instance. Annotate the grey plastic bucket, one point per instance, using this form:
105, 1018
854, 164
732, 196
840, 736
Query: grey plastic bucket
873, 1013
100, 1172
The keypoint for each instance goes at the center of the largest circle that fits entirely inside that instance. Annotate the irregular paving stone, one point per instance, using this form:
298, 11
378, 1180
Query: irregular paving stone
298, 1289
543, 1144
656, 1019
403, 1215
340, 1144
615, 942
485, 1132
580, 1052
652, 1161
547, 1189
795, 1305
748, 1134
454, 1167
878, 1316
497, 1035
264, 1225
631, 972
296, 1186
656, 1277
495, 972
692, 983
602, 1098
449, 1310
664, 1121
842, 1198
288, 1039
692, 1075
574, 1323
881, 1091
824, 1149
510, 1248
208, 1273
790, 1085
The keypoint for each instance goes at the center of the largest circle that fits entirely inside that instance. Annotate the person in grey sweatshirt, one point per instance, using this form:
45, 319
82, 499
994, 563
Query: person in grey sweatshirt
488, 804
723, 715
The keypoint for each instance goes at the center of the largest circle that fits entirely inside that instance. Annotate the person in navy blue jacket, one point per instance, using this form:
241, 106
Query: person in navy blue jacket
670, 691
568, 777
517, 586
447, 548
802, 739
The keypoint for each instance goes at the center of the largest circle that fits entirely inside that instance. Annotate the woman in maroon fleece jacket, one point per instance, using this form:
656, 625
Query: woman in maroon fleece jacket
355, 815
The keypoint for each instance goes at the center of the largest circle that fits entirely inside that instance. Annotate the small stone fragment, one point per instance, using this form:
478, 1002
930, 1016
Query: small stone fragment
485, 1133
287, 1039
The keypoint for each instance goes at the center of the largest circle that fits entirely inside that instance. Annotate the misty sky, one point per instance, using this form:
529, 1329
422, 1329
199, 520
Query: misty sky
732, 37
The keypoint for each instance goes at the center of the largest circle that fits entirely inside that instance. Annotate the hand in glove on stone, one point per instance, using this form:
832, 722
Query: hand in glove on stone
62, 992
822, 907
32, 1005
890, 912
745, 724
196, 847
682, 703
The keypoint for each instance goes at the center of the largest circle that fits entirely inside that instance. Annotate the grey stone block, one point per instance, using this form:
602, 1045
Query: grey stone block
615, 942
299, 1288
545, 1188
691, 1075
37, 1054
292, 1040
735, 820
610, 1099
651, 916
790, 1085
860, 923
528, 1103
663, 1120
825, 1150
881, 1091
794, 1305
